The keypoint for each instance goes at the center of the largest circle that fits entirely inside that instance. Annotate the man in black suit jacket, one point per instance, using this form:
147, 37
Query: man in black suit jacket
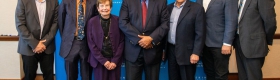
256, 28
185, 39
36, 23
221, 22
143, 36
73, 48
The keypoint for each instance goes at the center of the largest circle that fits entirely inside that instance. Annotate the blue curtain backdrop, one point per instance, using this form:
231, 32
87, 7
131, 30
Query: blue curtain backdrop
59, 61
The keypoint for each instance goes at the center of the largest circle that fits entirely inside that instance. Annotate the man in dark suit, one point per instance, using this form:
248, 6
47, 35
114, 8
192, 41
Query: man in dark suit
255, 31
185, 39
72, 19
144, 23
36, 23
221, 22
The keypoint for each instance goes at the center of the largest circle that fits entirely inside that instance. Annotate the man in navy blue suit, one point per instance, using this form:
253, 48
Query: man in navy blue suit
144, 23
72, 18
221, 23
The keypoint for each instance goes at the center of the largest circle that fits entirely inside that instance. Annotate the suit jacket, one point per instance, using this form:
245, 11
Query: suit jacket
257, 27
221, 22
190, 32
67, 22
28, 26
130, 22
95, 40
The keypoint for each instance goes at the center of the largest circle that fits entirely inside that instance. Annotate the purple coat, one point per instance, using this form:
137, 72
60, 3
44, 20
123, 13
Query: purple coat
95, 40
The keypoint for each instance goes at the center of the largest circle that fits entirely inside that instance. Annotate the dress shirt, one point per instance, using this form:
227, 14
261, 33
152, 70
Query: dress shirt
147, 2
205, 4
41, 9
173, 22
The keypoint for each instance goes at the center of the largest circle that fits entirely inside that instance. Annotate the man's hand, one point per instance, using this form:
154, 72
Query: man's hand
145, 41
40, 47
194, 58
226, 50
147, 47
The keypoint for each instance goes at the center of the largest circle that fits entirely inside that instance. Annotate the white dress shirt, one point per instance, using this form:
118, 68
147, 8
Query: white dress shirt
41, 9
205, 4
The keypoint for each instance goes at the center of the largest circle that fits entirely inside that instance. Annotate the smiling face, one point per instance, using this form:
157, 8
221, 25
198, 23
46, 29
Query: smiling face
104, 7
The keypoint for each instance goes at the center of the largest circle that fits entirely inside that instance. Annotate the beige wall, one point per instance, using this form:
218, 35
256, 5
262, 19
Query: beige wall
277, 9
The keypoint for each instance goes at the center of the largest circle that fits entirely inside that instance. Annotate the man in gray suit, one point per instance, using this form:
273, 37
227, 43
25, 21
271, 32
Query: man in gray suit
256, 28
221, 19
36, 23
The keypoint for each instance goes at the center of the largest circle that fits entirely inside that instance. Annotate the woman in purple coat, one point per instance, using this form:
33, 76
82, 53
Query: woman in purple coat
106, 42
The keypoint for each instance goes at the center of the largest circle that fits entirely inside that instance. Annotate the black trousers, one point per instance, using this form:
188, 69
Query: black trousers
30, 66
135, 69
215, 63
248, 68
78, 53
176, 71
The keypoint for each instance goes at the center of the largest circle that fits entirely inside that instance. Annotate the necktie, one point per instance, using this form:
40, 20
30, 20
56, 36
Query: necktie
144, 13
81, 22
239, 13
240, 6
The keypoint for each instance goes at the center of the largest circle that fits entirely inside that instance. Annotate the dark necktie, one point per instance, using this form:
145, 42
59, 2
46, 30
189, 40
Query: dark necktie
81, 22
144, 13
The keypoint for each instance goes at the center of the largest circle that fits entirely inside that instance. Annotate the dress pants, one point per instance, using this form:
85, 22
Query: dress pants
134, 69
78, 53
248, 68
215, 63
176, 71
30, 66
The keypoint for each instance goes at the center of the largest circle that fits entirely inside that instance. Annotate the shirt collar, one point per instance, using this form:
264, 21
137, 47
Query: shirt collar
180, 5
146, 0
41, 2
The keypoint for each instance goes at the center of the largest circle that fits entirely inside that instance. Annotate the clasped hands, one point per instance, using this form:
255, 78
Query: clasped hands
110, 65
40, 47
145, 42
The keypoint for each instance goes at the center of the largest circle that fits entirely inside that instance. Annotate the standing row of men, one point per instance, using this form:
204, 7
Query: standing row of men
184, 30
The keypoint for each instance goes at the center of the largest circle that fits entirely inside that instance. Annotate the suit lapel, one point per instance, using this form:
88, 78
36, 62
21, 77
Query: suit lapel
138, 12
170, 9
184, 11
48, 10
210, 4
199, 2
88, 9
73, 9
150, 10
245, 8
35, 11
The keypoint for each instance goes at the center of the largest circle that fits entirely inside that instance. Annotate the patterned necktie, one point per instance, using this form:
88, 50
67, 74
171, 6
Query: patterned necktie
240, 6
239, 13
144, 13
81, 22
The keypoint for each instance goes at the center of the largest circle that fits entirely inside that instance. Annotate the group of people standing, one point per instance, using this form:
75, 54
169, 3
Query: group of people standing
145, 33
